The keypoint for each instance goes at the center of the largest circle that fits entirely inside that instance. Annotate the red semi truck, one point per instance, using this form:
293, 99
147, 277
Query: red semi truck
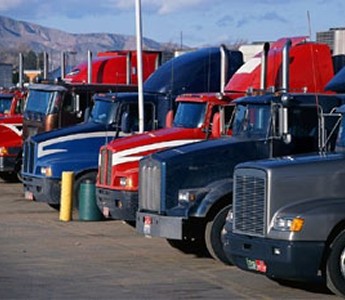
119, 67
11, 124
200, 117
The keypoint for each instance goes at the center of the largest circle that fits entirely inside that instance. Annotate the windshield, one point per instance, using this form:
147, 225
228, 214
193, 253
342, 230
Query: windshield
104, 112
5, 105
251, 120
42, 101
190, 115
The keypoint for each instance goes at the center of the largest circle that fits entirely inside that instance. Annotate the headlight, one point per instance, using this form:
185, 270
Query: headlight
3, 151
126, 182
47, 171
286, 223
188, 196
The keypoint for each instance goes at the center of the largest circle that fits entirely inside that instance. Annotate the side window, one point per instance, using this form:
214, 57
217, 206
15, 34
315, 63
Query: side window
149, 117
67, 103
130, 117
228, 115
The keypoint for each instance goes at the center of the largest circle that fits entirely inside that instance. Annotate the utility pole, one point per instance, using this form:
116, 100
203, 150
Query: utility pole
139, 65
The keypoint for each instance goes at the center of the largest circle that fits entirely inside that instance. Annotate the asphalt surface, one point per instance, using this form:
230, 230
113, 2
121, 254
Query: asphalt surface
42, 257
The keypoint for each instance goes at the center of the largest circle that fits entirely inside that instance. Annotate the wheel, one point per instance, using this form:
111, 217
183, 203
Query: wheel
18, 170
90, 176
213, 236
196, 247
9, 177
335, 267
55, 206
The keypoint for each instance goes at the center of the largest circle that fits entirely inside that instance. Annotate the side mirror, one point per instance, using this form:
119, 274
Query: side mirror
169, 119
125, 123
216, 125
76, 100
87, 114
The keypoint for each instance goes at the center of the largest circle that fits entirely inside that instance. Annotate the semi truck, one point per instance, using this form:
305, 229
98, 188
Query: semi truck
11, 123
199, 117
115, 67
288, 218
76, 148
185, 193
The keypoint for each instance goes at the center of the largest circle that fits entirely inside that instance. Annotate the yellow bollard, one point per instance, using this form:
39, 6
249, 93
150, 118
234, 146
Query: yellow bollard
66, 199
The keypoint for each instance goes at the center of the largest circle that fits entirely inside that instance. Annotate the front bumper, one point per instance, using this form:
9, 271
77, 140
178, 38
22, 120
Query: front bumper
119, 205
42, 189
7, 164
297, 261
160, 226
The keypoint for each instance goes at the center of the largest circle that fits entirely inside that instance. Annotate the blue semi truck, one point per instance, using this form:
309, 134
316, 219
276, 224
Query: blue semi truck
185, 193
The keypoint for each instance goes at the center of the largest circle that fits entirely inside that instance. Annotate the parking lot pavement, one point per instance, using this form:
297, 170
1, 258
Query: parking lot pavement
44, 258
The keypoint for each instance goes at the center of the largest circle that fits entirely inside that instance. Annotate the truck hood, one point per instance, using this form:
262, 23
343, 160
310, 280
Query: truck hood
198, 164
10, 135
133, 148
88, 136
16, 119
72, 132
292, 161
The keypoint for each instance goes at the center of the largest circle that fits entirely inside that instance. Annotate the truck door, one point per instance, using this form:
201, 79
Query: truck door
130, 117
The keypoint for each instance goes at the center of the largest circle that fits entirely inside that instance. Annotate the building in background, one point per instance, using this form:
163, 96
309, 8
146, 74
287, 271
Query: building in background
6, 73
335, 39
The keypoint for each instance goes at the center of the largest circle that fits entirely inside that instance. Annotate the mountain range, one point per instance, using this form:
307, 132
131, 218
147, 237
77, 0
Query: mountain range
20, 37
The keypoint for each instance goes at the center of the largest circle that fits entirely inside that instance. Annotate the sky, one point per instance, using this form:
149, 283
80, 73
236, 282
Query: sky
193, 22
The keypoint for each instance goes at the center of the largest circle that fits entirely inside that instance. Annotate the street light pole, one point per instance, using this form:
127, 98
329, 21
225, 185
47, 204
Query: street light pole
139, 65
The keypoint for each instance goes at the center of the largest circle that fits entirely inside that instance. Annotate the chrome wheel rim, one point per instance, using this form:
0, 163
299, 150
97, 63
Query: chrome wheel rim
342, 263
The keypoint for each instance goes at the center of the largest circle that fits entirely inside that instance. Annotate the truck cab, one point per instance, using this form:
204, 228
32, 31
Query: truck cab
76, 148
53, 106
198, 117
115, 67
48, 154
278, 206
185, 193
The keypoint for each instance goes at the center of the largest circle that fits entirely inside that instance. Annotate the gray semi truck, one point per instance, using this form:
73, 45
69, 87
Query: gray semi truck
288, 218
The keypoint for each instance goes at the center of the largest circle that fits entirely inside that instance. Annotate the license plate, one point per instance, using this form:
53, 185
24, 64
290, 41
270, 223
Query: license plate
106, 211
147, 225
256, 265
29, 195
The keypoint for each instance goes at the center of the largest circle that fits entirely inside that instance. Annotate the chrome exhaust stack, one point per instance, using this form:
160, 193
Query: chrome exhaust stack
264, 61
286, 66
89, 67
224, 68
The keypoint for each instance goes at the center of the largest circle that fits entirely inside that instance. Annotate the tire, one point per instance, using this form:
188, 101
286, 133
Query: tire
9, 177
335, 266
18, 170
55, 206
213, 236
91, 176
196, 247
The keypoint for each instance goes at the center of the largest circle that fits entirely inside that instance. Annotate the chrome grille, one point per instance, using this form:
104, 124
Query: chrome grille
105, 167
28, 156
150, 186
249, 202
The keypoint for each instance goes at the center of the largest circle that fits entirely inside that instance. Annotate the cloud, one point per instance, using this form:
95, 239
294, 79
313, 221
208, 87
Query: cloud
9, 4
273, 16
164, 7
267, 17
227, 20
